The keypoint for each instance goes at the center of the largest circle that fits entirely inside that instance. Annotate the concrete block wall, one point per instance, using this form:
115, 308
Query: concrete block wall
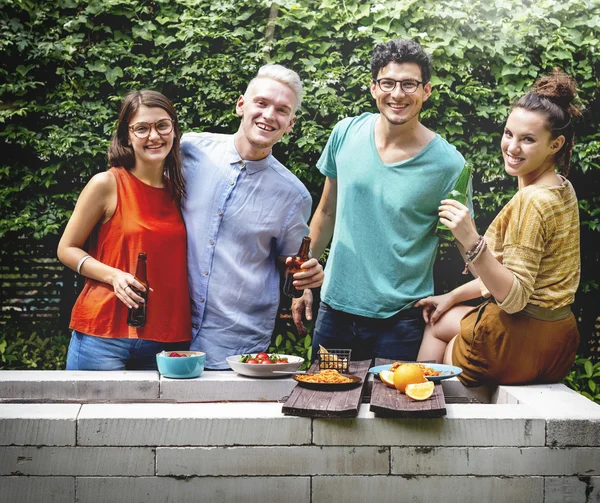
532, 444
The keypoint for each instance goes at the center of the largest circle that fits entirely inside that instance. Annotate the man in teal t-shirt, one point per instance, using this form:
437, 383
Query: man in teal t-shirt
386, 174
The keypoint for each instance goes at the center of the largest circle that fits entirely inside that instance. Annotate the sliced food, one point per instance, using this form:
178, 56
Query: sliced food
420, 391
387, 378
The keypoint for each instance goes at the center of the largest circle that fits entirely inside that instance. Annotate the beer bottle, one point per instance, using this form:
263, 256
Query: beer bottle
293, 267
460, 193
137, 316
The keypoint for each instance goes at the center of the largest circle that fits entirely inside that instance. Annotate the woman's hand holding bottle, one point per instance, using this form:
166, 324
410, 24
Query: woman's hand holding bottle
457, 218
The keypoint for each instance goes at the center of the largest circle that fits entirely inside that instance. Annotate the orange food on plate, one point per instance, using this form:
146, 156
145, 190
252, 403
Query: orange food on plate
427, 371
387, 378
406, 374
325, 377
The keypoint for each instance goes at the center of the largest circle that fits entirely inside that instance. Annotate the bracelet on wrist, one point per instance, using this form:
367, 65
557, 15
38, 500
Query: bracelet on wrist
81, 261
474, 253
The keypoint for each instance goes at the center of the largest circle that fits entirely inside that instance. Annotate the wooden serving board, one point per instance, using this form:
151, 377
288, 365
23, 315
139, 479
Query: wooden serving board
389, 402
312, 403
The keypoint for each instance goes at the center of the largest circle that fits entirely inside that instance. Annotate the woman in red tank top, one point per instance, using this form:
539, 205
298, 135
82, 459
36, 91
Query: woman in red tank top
129, 209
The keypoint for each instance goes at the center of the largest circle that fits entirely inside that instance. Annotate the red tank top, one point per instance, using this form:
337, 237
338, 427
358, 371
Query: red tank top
146, 219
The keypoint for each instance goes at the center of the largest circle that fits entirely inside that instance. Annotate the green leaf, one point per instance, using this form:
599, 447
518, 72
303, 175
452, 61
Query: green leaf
112, 74
307, 341
97, 66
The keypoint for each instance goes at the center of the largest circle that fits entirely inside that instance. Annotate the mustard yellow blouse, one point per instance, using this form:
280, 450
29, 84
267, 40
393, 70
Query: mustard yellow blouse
536, 236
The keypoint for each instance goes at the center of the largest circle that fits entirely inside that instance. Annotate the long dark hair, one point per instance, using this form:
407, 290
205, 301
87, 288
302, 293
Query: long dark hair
554, 96
120, 153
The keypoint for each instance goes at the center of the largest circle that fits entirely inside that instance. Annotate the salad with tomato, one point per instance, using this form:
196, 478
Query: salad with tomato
263, 358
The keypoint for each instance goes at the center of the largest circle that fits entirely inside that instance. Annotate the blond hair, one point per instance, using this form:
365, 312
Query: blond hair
281, 74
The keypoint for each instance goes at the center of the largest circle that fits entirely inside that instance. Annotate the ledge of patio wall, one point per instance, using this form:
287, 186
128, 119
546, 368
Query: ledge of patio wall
521, 443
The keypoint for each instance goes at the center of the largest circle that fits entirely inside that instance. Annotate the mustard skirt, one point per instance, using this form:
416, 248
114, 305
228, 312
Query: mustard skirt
494, 347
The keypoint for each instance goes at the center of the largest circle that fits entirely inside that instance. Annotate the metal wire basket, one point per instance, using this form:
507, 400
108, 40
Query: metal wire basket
337, 359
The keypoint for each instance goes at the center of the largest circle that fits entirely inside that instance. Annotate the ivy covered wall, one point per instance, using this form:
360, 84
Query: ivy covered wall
65, 65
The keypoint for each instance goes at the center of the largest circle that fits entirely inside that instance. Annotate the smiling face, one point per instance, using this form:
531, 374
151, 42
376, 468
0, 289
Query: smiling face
397, 107
154, 149
527, 145
267, 112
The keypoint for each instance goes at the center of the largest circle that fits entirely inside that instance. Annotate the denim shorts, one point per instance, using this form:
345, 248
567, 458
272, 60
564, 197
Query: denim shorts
87, 352
397, 338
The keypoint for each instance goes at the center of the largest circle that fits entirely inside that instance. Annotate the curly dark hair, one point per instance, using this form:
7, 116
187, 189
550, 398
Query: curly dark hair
401, 50
554, 96
120, 153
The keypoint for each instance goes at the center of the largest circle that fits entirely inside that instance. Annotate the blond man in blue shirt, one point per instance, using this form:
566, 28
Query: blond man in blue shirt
244, 213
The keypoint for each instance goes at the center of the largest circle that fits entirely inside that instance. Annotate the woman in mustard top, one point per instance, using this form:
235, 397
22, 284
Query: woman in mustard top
131, 208
528, 263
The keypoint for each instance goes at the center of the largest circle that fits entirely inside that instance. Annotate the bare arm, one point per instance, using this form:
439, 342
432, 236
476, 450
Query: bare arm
323, 221
462, 251
96, 203
321, 231
497, 278
436, 305
466, 292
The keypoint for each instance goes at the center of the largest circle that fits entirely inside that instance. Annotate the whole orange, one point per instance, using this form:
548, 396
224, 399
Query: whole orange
406, 374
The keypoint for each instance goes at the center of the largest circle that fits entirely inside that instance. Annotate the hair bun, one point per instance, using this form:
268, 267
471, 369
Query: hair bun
560, 88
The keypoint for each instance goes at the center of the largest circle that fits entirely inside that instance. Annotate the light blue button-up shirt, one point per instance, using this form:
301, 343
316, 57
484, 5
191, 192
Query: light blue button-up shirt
240, 216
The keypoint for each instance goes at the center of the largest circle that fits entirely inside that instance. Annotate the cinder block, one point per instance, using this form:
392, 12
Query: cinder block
525, 461
120, 461
464, 425
190, 424
502, 397
572, 489
573, 432
37, 489
428, 489
38, 424
79, 384
224, 385
297, 460
553, 401
194, 489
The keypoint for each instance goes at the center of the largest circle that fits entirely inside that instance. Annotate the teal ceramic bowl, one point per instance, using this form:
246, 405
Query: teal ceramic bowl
181, 367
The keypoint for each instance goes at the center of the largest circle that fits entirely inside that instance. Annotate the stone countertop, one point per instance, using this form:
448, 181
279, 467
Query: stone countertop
79, 385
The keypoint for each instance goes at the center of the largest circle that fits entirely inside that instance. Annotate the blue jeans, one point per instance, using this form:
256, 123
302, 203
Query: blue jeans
87, 352
397, 338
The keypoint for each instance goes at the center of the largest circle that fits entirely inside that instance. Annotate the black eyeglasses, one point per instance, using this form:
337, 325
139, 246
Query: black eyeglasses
142, 129
408, 86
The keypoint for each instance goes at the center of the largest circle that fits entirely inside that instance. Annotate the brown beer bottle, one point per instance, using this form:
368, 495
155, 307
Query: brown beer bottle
137, 316
293, 267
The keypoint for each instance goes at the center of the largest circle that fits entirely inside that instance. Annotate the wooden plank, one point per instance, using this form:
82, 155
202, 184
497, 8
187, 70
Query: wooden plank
312, 403
389, 402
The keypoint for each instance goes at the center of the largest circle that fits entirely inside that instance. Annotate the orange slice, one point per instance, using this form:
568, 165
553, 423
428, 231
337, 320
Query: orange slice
421, 391
387, 378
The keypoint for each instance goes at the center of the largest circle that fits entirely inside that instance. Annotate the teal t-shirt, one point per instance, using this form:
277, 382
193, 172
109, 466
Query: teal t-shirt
384, 243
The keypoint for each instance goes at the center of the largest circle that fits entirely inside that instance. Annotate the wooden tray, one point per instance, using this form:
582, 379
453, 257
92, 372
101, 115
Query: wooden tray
388, 402
344, 403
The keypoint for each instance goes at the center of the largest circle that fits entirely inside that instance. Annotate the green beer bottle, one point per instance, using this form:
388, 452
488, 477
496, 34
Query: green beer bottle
458, 193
